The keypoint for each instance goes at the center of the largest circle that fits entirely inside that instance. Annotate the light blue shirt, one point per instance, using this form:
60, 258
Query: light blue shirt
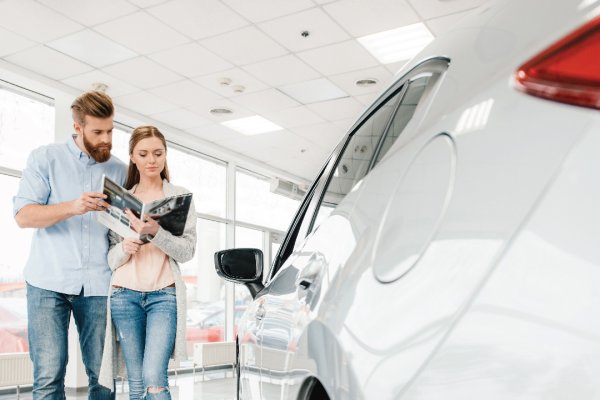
71, 254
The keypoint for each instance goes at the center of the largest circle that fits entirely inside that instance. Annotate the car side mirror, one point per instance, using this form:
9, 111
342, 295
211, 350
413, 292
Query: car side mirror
242, 266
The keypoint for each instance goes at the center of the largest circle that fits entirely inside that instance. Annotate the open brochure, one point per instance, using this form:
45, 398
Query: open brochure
170, 212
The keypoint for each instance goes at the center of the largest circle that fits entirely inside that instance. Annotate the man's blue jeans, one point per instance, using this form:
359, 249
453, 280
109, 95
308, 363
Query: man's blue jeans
48, 316
146, 323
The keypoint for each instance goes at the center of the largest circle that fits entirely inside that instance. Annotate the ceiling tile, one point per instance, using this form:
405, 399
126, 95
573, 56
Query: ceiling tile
141, 33
282, 70
244, 46
313, 91
144, 103
203, 106
35, 21
367, 99
184, 93
91, 12
436, 8
215, 133
440, 25
198, 19
349, 56
116, 87
265, 101
11, 42
55, 65
293, 117
326, 135
181, 119
235, 77
91, 48
361, 18
146, 3
334, 110
321, 30
143, 73
190, 60
348, 80
262, 10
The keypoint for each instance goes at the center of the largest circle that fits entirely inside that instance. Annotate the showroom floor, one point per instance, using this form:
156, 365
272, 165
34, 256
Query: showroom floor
215, 386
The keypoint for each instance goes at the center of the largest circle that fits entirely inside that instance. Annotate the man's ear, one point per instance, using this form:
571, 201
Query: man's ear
77, 128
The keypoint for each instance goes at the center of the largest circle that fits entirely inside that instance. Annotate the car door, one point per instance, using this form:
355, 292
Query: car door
291, 298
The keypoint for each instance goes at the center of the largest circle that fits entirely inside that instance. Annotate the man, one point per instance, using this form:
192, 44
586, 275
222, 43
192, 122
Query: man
67, 270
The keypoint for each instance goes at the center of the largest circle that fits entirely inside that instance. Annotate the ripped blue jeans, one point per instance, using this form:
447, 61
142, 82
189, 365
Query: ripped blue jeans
146, 323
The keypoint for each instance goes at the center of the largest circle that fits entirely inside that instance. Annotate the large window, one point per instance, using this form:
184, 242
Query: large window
25, 124
256, 204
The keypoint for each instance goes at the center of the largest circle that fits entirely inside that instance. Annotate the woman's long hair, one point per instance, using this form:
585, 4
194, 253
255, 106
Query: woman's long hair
139, 133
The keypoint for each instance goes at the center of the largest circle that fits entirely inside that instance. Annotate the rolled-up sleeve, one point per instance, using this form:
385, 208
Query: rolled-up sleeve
34, 187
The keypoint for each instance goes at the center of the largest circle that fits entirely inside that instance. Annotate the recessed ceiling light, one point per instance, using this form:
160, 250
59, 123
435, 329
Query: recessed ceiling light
220, 111
398, 44
366, 82
252, 125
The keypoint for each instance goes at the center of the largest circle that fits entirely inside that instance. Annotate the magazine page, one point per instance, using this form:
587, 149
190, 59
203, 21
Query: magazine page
114, 217
171, 212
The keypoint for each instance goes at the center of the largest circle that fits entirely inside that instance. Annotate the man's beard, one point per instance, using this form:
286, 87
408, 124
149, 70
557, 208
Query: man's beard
100, 153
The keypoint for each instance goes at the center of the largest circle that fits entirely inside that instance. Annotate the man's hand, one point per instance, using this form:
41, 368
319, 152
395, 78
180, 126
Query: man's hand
89, 201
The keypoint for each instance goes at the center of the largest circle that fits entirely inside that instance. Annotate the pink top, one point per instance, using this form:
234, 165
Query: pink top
146, 271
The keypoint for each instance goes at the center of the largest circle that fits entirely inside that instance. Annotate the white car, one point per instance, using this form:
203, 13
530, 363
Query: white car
450, 247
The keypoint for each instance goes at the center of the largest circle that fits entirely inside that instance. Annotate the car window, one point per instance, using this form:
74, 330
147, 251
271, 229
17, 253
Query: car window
360, 151
374, 138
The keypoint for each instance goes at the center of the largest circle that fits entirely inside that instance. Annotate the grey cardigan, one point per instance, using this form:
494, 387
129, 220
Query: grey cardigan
180, 249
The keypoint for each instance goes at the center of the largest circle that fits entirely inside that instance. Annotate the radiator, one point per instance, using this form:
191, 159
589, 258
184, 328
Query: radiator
15, 369
211, 354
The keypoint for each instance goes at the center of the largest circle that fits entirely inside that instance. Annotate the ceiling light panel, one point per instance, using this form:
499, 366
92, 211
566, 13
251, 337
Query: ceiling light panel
397, 44
313, 91
92, 48
252, 125
322, 30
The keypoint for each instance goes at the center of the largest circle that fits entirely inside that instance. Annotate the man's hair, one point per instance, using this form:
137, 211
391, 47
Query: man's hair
93, 103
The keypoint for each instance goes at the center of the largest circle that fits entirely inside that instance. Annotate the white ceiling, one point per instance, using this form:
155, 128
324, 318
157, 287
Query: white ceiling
165, 60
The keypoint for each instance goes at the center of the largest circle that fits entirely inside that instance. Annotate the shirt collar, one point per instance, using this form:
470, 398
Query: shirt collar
77, 152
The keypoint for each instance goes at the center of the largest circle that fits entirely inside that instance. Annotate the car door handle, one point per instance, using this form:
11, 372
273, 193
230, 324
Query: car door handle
308, 275
260, 312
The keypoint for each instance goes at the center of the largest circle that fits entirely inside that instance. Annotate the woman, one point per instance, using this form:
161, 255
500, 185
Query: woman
147, 299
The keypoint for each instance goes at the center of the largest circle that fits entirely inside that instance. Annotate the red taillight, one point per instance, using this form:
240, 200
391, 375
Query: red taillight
568, 71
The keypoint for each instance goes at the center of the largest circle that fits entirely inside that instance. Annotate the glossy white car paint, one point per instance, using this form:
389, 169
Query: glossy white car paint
466, 264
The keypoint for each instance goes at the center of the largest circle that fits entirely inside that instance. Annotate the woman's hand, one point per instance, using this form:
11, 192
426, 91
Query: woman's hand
147, 227
131, 245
